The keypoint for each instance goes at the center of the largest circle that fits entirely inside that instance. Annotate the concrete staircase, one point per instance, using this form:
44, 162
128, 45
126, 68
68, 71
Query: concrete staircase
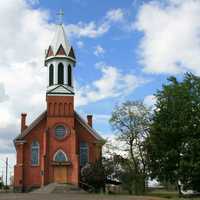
59, 188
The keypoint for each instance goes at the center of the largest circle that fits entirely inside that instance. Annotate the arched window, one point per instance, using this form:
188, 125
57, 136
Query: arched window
69, 75
84, 153
60, 74
51, 75
35, 147
60, 156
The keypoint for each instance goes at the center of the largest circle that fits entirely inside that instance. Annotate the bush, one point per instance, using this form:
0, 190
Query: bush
93, 176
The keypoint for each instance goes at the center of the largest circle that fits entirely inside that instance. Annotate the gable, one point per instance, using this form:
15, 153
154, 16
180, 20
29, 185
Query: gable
79, 120
71, 53
49, 52
84, 125
61, 89
33, 125
61, 51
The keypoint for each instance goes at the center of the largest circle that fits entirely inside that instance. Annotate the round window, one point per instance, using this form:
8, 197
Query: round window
60, 132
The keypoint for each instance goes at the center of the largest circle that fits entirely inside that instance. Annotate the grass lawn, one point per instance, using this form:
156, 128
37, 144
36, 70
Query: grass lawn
172, 195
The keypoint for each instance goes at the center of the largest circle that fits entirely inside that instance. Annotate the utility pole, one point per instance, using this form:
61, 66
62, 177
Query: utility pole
6, 174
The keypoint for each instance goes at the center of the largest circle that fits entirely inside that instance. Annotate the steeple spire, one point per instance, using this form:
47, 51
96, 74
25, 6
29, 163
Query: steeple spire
60, 46
60, 60
60, 15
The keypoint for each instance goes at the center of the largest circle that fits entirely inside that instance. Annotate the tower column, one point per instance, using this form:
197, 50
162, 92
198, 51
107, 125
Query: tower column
65, 74
55, 73
72, 77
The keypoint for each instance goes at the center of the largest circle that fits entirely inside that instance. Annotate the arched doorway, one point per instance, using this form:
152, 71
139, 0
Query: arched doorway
60, 168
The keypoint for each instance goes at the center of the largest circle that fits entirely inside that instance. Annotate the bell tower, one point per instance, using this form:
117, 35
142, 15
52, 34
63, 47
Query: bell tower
60, 60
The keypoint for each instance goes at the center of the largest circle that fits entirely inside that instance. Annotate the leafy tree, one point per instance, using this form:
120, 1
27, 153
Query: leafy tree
174, 141
130, 121
1, 185
93, 175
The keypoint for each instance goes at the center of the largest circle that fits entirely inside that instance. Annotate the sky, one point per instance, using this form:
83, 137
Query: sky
125, 51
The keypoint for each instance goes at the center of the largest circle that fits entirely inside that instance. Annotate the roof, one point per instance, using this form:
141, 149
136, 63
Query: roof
31, 126
60, 46
88, 127
59, 39
44, 114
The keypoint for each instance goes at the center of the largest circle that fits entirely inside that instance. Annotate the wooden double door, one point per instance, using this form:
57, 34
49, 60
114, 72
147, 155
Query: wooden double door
60, 174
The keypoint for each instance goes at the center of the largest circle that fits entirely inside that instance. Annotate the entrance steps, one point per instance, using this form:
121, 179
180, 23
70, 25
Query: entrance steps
59, 188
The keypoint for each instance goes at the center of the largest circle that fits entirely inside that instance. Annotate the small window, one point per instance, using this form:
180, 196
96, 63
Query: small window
69, 75
60, 156
35, 153
60, 132
60, 74
84, 154
51, 75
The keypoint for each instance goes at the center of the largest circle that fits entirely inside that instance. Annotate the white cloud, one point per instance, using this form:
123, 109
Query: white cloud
113, 83
90, 30
33, 2
115, 15
3, 95
25, 34
99, 50
150, 100
93, 29
22, 76
171, 41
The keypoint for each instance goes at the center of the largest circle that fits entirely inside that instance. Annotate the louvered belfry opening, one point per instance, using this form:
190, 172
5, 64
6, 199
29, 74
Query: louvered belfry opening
51, 75
60, 74
69, 75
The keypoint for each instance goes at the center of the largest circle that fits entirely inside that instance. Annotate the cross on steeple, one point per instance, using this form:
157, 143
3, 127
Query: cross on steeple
60, 15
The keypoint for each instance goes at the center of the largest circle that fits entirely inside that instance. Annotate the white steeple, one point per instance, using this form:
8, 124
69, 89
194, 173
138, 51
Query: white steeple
60, 46
60, 60
60, 39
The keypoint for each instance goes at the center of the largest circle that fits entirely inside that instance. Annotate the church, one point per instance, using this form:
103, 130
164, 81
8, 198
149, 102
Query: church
59, 142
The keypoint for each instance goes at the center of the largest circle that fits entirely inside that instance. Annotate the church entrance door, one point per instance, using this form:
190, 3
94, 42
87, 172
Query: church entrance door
60, 174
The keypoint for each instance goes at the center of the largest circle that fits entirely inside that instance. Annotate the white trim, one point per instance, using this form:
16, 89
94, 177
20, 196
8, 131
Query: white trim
60, 95
72, 77
60, 150
55, 73
65, 73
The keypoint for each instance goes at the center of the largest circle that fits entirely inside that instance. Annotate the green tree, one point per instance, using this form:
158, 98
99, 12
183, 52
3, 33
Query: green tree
130, 121
94, 176
174, 140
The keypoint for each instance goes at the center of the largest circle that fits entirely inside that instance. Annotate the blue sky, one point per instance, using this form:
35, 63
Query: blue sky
120, 50
125, 51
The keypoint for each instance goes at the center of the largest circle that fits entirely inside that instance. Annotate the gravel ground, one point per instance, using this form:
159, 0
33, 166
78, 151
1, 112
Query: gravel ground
28, 196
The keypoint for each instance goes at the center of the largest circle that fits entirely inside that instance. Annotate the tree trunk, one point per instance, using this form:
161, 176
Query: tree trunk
179, 189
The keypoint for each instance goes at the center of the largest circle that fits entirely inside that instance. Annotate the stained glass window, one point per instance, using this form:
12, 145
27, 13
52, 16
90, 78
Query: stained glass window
60, 156
83, 153
35, 153
60, 132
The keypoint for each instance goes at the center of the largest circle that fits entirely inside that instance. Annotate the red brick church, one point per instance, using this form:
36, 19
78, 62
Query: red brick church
55, 146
